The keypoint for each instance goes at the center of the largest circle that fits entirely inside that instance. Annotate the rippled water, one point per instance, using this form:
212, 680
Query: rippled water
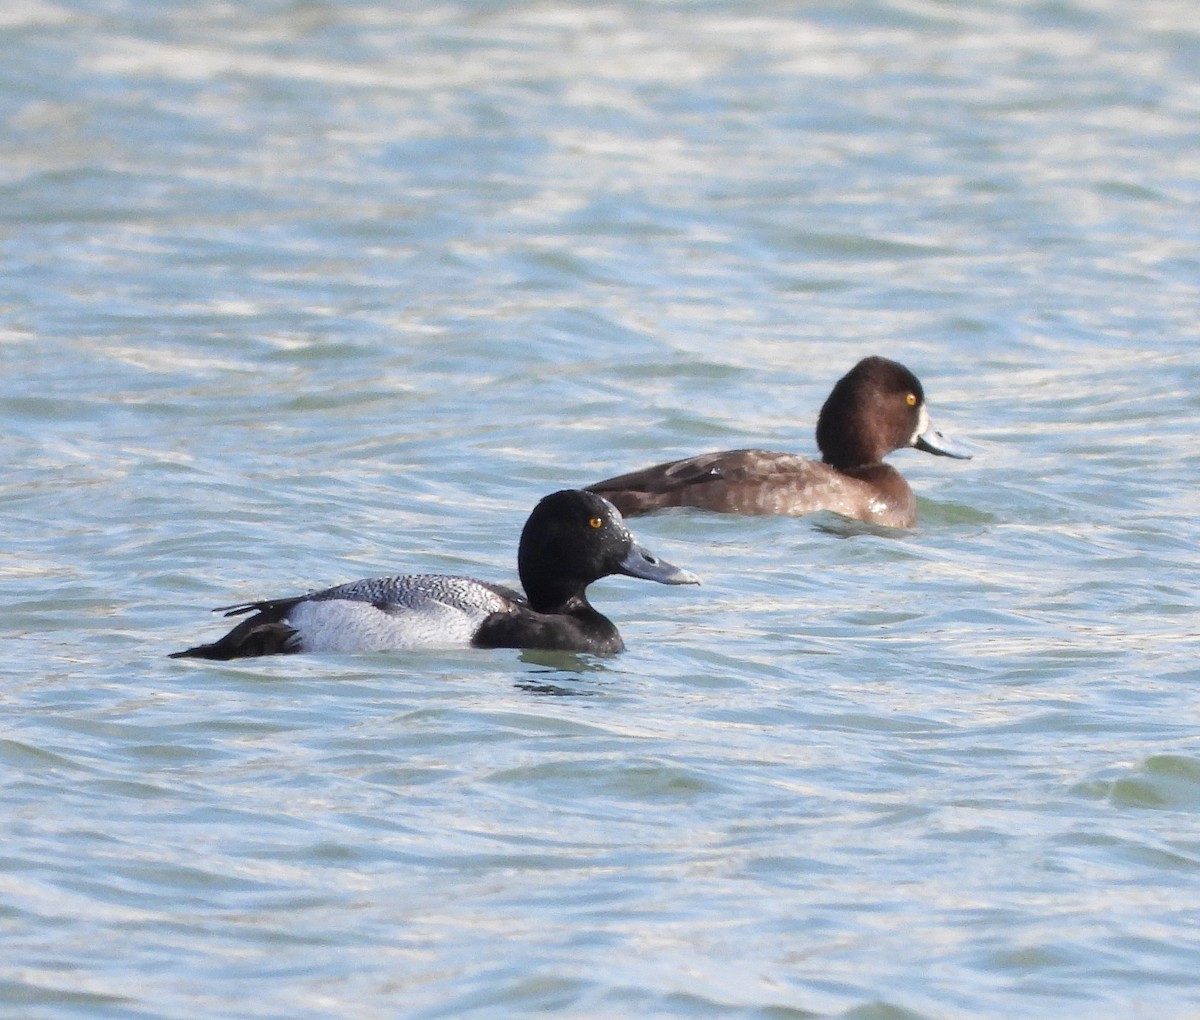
298, 293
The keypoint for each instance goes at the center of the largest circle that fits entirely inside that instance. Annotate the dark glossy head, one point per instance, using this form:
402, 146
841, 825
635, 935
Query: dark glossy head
573, 538
875, 408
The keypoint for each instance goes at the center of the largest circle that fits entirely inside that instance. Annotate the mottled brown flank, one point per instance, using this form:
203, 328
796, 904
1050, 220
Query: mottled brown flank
763, 482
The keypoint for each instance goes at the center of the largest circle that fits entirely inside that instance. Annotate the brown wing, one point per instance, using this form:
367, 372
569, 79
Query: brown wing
710, 480
763, 482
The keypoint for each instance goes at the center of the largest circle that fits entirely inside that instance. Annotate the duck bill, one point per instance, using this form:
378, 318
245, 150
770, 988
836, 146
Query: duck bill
927, 438
932, 441
641, 562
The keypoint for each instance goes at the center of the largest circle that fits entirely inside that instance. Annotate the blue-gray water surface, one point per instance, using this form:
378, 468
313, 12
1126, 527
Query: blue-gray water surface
296, 293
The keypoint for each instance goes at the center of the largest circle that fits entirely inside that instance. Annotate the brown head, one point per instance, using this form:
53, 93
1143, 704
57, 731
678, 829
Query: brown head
875, 408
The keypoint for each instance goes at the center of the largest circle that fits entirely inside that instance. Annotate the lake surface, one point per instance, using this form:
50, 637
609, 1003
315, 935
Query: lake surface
296, 293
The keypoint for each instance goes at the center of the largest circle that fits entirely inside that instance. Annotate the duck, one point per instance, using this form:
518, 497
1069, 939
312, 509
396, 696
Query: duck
571, 539
875, 408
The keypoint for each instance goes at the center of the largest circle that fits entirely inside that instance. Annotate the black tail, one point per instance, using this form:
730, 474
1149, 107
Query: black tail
265, 633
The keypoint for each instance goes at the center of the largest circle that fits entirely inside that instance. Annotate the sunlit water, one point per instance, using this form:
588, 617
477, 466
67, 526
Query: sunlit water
298, 293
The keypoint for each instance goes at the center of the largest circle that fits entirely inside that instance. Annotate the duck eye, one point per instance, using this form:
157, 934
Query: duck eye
910, 399
597, 522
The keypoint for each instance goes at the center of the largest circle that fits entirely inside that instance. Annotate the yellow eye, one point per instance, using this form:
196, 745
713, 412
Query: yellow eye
911, 399
597, 522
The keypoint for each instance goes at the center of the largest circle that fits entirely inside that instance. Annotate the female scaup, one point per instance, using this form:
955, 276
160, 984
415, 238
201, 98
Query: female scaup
571, 539
875, 408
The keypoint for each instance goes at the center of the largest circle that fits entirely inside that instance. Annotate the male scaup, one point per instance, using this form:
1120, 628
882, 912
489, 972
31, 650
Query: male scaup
875, 408
571, 539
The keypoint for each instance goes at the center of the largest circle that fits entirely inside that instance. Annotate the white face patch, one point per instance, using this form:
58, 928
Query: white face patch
922, 425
